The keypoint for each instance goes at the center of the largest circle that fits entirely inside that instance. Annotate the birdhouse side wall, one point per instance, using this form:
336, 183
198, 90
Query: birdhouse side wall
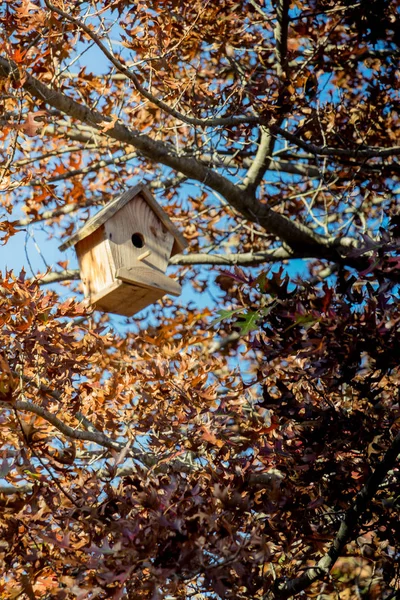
136, 235
96, 263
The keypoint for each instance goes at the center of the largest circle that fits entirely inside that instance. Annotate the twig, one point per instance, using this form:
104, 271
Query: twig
361, 151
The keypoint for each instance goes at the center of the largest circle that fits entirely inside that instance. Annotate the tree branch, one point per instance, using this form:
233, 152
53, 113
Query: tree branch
364, 53
346, 529
93, 167
228, 259
182, 464
208, 122
246, 259
295, 234
71, 208
303, 240
265, 149
272, 164
262, 161
76, 434
361, 151
57, 276
11, 490
58, 152
281, 35
53, 214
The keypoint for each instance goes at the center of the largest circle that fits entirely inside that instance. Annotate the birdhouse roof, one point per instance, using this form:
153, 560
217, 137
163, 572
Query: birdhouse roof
110, 209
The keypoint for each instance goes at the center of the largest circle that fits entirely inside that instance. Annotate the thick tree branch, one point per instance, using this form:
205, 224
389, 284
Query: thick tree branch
262, 161
347, 527
296, 235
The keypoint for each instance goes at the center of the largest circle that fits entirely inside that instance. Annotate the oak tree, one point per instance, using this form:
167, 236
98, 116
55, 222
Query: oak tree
244, 450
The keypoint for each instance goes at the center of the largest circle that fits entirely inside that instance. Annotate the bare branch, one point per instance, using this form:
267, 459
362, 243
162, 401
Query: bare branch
57, 152
260, 10
361, 151
56, 277
53, 214
263, 157
71, 208
86, 137
363, 54
247, 258
209, 122
281, 35
91, 168
346, 529
295, 234
262, 161
76, 434
272, 164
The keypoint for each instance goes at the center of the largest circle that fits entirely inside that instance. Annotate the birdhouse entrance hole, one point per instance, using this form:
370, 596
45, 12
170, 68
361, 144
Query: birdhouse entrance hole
137, 240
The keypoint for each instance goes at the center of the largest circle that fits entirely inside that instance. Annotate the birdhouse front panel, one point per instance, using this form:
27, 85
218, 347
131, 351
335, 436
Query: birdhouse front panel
138, 237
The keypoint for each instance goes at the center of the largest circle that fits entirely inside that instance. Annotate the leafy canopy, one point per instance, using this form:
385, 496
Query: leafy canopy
248, 449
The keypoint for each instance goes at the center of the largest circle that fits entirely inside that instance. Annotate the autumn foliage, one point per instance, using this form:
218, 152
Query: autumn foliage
239, 447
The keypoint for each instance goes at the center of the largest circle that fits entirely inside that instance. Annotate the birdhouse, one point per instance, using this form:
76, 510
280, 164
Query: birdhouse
123, 253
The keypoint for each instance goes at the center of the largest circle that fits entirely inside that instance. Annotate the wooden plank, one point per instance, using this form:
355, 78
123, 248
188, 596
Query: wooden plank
149, 278
123, 299
111, 208
95, 262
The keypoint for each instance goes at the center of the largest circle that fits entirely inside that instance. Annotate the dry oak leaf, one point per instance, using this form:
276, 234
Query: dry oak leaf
30, 126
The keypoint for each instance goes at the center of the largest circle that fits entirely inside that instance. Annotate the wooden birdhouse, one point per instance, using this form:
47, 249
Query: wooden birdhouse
123, 253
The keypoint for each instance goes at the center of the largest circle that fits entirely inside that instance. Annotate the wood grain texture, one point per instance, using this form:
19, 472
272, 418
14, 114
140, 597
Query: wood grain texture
96, 264
138, 218
124, 299
149, 278
180, 243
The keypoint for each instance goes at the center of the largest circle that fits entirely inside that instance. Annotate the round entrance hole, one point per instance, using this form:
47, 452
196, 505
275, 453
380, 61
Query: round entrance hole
137, 240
